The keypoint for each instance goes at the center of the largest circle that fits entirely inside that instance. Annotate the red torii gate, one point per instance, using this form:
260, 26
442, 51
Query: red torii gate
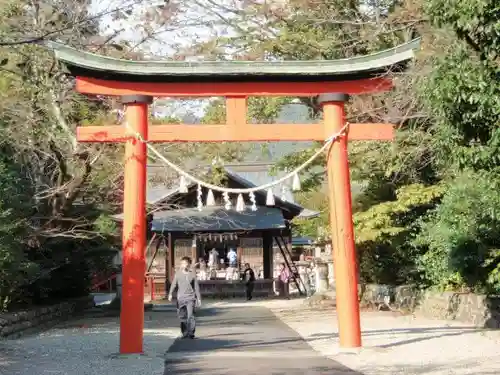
137, 82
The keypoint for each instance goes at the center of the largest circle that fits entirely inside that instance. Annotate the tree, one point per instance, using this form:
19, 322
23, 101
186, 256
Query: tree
70, 188
461, 236
446, 107
15, 267
74, 188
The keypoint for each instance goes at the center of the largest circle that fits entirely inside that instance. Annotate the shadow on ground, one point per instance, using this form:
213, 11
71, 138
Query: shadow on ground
431, 333
246, 340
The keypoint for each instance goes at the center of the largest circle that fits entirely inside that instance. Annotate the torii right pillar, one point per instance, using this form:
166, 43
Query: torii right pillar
341, 225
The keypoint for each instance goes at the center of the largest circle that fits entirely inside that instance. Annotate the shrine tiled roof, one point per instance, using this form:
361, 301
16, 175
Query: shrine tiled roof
218, 219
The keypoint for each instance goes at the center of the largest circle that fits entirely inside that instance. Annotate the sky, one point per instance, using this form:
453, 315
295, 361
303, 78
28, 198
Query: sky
199, 21
196, 23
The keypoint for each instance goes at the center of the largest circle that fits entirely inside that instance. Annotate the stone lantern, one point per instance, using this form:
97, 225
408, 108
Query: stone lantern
321, 273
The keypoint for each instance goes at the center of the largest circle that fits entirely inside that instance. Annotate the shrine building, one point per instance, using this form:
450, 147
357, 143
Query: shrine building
177, 228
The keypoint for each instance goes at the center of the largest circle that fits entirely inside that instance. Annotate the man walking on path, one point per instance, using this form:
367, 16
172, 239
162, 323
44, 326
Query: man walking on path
249, 278
188, 297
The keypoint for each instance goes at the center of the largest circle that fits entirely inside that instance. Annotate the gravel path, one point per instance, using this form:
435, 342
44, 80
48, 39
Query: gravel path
396, 344
89, 347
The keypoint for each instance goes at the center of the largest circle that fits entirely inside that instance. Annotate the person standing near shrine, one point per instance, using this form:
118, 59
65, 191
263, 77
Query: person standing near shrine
284, 281
213, 258
232, 257
249, 279
203, 269
188, 297
213, 263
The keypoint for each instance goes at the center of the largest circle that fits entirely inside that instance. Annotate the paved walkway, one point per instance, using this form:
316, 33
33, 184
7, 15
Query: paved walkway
246, 340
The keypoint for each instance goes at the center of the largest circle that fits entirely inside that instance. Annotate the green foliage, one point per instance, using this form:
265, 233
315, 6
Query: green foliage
49, 198
426, 206
449, 124
383, 232
15, 267
105, 225
474, 21
462, 235
265, 110
387, 221
464, 96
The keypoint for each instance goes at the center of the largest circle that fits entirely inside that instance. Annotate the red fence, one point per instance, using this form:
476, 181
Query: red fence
100, 282
154, 287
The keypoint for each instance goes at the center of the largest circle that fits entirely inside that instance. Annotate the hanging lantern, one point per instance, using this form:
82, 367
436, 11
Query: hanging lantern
210, 199
193, 244
270, 197
240, 203
252, 199
183, 186
296, 182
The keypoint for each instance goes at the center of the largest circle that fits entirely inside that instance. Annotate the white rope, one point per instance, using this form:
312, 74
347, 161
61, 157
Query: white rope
207, 185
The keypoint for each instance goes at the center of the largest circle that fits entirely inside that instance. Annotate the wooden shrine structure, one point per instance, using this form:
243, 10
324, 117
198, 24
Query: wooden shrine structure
181, 229
137, 82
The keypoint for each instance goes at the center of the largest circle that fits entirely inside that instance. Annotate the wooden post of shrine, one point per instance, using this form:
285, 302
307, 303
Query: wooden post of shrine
343, 248
134, 226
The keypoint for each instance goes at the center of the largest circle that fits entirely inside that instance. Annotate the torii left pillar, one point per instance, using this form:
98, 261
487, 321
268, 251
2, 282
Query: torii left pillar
134, 226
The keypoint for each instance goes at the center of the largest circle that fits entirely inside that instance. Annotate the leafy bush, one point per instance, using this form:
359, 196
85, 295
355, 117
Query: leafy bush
15, 267
383, 232
462, 235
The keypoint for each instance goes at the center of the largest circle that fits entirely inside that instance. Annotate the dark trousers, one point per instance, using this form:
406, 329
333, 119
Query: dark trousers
284, 289
185, 312
249, 290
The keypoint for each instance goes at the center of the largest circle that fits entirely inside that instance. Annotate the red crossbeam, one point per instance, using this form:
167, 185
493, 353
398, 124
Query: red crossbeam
225, 133
95, 86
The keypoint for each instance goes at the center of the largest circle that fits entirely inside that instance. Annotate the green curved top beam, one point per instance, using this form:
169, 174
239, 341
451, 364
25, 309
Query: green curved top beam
87, 64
